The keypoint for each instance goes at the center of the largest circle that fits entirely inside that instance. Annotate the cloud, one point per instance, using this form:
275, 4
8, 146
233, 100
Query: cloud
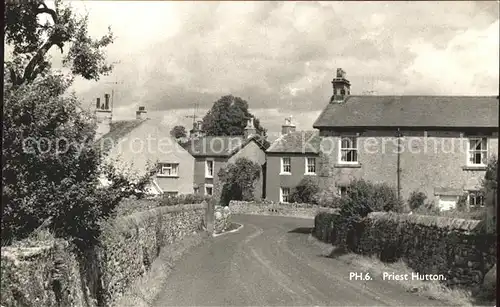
283, 55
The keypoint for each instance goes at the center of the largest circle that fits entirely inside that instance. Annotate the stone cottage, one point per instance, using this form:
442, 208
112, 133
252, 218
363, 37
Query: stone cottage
439, 145
133, 146
212, 153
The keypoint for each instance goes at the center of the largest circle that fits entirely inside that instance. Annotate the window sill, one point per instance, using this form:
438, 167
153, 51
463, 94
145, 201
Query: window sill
347, 165
474, 167
310, 174
209, 177
167, 176
285, 174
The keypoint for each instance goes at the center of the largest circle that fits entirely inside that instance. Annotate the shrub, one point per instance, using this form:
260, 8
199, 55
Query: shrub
362, 198
238, 180
306, 191
416, 200
329, 198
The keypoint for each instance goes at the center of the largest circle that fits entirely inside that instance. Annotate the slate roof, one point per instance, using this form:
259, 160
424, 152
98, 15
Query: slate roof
411, 111
118, 130
297, 142
218, 146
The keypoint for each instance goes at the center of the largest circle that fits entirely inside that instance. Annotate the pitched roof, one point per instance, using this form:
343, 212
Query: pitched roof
411, 111
297, 142
118, 130
218, 146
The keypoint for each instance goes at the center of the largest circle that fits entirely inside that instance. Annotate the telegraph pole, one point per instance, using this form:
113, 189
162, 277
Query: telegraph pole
194, 117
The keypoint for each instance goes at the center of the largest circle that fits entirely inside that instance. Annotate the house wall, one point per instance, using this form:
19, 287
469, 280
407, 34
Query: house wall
147, 145
434, 164
199, 173
274, 181
251, 151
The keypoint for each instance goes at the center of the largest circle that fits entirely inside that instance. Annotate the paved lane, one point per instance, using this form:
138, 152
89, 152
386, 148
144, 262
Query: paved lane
271, 262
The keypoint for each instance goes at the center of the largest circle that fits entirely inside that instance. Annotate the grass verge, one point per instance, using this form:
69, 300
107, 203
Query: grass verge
144, 291
233, 227
429, 289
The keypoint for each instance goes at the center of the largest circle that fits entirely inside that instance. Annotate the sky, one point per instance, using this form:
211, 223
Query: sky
282, 56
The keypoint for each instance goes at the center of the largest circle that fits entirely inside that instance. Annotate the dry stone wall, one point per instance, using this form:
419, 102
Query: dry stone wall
458, 249
49, 275
268, 208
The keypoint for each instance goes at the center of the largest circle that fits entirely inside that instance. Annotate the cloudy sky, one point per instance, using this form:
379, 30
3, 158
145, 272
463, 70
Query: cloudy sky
281, 56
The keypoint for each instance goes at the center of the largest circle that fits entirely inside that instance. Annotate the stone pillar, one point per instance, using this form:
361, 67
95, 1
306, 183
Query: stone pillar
209, 217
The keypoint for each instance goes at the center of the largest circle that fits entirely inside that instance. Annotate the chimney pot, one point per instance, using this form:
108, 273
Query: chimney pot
98, 103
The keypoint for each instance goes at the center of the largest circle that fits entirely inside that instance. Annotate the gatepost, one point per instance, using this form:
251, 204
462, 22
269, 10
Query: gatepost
209, 216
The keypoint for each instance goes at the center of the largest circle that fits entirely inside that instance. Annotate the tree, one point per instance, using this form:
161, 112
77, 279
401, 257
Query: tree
229, 116
32, 29
51, 167
238, 180
178, 132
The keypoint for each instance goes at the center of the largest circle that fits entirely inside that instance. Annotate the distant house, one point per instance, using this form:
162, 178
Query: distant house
212, 153
289, 158
444, 142
134, 145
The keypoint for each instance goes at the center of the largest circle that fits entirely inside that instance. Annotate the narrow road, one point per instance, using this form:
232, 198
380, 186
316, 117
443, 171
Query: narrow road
271, 262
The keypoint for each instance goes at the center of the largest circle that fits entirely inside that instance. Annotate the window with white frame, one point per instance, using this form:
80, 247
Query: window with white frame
209, 190
348, 150
310, 165
168, 169
209, 169
286, 165
285, 195
478, 151
476, 199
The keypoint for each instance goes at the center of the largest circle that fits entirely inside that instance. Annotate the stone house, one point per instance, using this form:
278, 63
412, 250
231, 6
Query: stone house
132, 146
212, 153
292, 156
439, 145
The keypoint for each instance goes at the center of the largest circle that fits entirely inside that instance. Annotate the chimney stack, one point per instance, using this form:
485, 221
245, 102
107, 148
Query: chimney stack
106, 101
250, 129
98, 103
288, 127
139, 113
341, 87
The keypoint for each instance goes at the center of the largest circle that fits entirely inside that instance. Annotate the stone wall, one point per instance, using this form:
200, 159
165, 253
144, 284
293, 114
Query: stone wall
50, 274
458, 249
268, 208
44, 275
130, 244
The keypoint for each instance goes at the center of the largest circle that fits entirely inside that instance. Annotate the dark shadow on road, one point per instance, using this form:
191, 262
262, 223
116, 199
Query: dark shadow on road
303, 230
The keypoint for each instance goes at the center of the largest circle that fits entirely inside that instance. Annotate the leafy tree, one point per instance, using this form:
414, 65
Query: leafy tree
51, 168
306, 191
32, 29
229, 116
178, 132
490, 177
417, 200
238, 180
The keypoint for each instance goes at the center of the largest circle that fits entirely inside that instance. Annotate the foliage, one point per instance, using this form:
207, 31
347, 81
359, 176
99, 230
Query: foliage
30, 36
178, 132
329, 197
229, 116
306, 191
490, 177
416, 200
51, 169
362, 198
238, 180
